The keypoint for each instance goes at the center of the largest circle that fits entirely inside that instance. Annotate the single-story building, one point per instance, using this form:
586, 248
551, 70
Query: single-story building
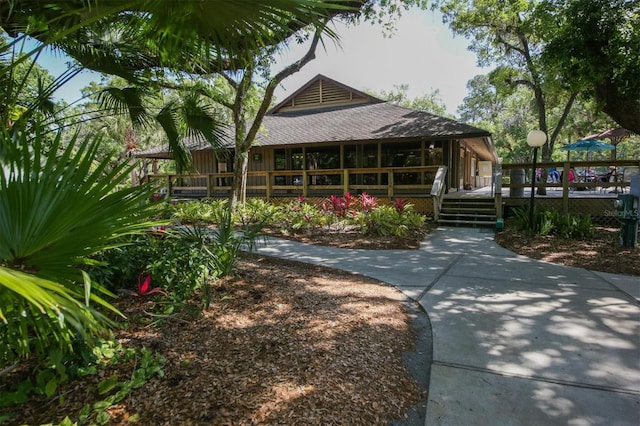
329, 138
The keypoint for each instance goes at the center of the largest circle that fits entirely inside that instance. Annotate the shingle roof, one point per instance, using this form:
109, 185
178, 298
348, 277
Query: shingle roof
360, 122
348, 123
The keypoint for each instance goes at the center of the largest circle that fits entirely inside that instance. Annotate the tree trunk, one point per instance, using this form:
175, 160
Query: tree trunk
239, 187
244, 138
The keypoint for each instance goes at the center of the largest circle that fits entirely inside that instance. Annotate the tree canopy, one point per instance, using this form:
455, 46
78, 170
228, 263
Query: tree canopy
428, 102
136, 39
595, 45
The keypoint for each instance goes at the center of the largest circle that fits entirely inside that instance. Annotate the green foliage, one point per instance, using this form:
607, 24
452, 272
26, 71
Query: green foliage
504, 36
178, 265
429, 102
362, 214
194, 211
58, 207
353, 213
182, 259
255, 212
302, 216
25, 89
594, 48
59, 368
390, 221
148, 365
551, 222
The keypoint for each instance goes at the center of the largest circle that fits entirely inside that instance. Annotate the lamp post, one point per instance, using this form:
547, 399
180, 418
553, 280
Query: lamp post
535, 139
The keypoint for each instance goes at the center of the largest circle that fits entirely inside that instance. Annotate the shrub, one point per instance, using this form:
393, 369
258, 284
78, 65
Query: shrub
551, 222
301, 215
255, 212
391, 221
180, 259
176, 263
194, 211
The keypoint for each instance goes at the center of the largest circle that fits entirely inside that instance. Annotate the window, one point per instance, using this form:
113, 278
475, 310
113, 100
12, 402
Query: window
405, 155
280, 159
369, 156
297, 159
323, 158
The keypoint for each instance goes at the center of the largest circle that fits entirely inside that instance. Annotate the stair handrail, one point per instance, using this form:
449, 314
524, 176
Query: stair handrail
437, 190
497, 189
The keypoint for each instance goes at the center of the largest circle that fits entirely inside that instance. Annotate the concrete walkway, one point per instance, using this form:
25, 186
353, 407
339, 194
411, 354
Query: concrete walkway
515, 341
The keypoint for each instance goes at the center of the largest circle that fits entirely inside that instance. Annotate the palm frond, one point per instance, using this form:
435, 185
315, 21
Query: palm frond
168, 120
128, 39
202, 123
129, 100
57, 209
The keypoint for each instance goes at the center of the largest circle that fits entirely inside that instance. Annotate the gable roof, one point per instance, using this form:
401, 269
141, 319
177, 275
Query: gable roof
322, 92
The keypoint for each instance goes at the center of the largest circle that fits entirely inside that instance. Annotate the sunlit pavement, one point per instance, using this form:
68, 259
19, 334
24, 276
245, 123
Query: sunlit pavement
516, 341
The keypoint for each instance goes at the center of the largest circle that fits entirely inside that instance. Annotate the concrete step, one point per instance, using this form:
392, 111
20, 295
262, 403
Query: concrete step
467, 210
468, 217
471, 212
472, 223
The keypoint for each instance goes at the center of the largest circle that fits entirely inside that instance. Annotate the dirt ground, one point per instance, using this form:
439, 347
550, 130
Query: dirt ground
289, 343
602, 252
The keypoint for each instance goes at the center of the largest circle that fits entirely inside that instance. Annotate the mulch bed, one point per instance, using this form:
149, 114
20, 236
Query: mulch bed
282, 343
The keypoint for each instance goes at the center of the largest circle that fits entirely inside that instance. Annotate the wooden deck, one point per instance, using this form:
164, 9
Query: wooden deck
593, 198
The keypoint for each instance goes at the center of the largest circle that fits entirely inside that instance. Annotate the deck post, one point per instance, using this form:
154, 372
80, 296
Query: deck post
345, 181
169, 190
209, 185
565, 187
305, 184
390, 184
268, 185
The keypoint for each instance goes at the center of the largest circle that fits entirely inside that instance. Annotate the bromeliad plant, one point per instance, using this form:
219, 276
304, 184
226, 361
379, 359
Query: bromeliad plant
59, 206
144, 287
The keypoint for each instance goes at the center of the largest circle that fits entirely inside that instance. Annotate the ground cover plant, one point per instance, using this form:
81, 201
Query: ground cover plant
599, 252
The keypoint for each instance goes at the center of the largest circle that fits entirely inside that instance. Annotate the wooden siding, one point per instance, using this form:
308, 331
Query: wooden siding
204, 161
322, 93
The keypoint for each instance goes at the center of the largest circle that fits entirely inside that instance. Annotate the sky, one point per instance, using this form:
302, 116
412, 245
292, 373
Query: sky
422, 53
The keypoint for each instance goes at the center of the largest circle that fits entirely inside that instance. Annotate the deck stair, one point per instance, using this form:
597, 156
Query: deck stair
468, 211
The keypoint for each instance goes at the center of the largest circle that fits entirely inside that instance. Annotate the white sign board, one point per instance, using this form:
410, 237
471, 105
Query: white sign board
484, 169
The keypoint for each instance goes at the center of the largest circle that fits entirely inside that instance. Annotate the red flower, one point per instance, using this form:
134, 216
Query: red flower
144, 287
368, 202
399, 204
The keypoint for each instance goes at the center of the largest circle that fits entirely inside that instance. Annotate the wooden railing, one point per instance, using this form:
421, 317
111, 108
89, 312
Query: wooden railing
303, 182
618, 183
